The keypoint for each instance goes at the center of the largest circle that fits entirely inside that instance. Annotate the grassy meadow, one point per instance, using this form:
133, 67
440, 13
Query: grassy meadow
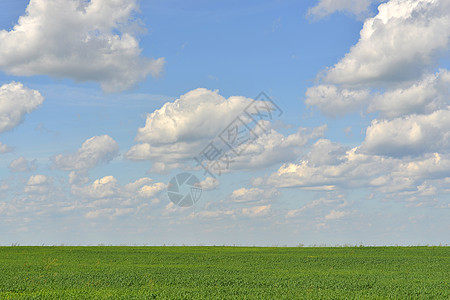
224, 273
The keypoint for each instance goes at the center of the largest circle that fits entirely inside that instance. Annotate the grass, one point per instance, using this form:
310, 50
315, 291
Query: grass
224, 273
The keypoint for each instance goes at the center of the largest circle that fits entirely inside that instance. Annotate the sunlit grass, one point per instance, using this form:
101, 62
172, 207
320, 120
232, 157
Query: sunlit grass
224, 273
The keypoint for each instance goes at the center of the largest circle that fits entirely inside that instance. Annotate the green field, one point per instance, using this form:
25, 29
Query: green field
224, 273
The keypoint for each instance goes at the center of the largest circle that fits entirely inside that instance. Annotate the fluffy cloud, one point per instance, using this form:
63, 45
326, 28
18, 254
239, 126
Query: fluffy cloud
331, 166
388, 70
409, 135
81, 40
421, 97
15, 102
244, 195
5, 148
100, 188
399, 43
110, 213
336, 101
106, 198
337, 214
181, 129
232, 215
21, 164
38, 184
405, 151
209, 184
324, 8
108, 187
198, 115
257, 211
96, 150
324, 209
272, 148
144, 188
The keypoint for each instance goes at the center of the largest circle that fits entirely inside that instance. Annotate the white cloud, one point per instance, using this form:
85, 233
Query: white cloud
360, 8
257, 211
209, 184
78, 39
3, 186
101, 188
144, 188
398, 44
337, 214
272, 148
37, 180
38, 184
389, 69
78, 177
421, 97
96, 150
243, 195
110, 213
409, 177
21, 164
200, 114
329, 165
335, 101
5, 148
409, 135
231, 214
405, 155
308, 207
109, 188
180, 130
15, 102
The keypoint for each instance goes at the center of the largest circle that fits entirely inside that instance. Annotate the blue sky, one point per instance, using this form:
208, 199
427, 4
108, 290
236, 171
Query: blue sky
102, 103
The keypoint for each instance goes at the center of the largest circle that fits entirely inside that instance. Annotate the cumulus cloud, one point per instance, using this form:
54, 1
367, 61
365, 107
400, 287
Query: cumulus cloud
209, 184
423, 96
15, 102
107, 198
38, 184
415, 176
100, 188
108, 187
81, 40
336, 101
337, 214
322, 210
409, 135
96, 150
110, 213
389, 70
272, 148
5, 148
244, 195
78, 177
331, 166
144, 188
181, 129
399, 43
197, 115
359, 8
21, 164
257, 211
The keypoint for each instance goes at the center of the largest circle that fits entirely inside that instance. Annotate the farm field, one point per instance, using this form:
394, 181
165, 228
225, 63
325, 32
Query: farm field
224, 273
